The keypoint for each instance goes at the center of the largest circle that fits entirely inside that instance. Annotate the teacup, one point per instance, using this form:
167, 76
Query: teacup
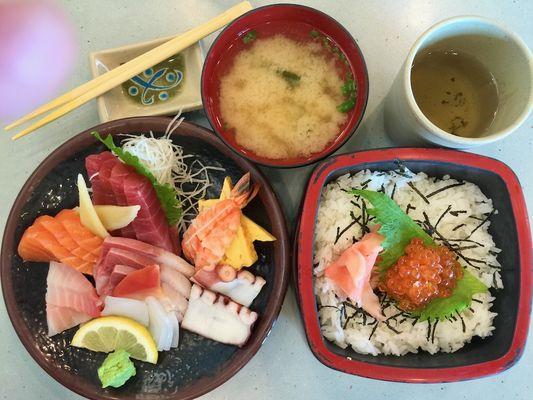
502, 52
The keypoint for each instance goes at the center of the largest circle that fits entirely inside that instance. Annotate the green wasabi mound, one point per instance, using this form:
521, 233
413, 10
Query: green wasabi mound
116, 369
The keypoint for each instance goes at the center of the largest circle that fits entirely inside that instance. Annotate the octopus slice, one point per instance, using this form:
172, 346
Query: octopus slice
218, 318
243, 289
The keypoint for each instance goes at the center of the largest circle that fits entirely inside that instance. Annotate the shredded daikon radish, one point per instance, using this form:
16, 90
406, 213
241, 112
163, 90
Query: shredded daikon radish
169, 164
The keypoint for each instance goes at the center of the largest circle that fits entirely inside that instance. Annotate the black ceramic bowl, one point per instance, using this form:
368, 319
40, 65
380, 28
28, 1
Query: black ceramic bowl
198, 365
510, 230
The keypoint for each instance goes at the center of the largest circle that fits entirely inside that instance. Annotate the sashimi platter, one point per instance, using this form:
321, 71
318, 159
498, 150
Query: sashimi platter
146, 270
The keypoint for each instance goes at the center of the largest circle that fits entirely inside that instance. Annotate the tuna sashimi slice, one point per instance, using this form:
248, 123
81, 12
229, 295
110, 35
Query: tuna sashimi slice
350, 274
102, 192
140, 284
66, 287
59, 319
151, 225
93, 163
109, 259
119, 272
158, 255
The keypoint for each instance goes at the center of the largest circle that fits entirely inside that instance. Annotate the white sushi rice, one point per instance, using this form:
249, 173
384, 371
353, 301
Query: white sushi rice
346, 325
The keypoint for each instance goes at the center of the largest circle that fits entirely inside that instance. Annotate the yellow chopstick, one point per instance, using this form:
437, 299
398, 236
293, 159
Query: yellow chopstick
94, 88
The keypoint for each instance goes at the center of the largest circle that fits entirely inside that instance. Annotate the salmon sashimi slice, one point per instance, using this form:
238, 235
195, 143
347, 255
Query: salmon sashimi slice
61, 238
59, 319
57, 230
140, 284
350, 274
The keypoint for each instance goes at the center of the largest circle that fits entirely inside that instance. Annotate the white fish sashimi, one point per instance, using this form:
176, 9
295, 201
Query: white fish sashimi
177, 301
160, 325
123, 307
175, 329
176, 279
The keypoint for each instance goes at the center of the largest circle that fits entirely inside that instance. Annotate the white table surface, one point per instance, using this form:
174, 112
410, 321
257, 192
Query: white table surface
284, 368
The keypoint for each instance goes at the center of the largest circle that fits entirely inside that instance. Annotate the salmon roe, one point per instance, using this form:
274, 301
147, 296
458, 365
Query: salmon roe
422, 274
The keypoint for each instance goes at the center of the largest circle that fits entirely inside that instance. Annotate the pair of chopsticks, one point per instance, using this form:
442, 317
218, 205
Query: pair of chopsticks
94, 88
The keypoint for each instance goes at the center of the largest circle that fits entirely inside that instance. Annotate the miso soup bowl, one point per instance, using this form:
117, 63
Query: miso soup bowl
218, 59
510, 230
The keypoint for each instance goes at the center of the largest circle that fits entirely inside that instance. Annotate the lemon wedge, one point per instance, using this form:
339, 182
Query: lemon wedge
107, 334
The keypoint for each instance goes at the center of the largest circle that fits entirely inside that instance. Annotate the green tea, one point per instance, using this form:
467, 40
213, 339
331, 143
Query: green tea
454, 91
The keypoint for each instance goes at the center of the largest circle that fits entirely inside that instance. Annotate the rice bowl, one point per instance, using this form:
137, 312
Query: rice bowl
462, 213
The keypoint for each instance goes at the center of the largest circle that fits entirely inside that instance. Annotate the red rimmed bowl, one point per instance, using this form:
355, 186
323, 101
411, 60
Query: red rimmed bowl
479, 358
274, 19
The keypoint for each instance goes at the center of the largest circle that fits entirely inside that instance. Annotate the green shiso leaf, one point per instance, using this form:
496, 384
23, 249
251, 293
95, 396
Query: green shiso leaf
460, 299
399, 229
165, 193
396, 226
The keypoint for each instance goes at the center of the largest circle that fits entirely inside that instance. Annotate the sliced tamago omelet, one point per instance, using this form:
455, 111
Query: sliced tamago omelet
241, 252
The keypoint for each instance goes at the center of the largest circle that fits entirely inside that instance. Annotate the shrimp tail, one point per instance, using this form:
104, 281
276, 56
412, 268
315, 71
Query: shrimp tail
242, 193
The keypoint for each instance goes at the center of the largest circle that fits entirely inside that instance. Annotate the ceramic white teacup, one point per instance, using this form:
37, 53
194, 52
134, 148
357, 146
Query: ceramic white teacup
502, 52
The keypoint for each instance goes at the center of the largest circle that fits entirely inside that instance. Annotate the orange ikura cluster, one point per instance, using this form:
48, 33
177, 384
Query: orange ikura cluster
422, 274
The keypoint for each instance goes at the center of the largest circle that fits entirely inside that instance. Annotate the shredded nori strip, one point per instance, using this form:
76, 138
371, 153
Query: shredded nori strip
429, 330
373, 330
433, 332
365, 183
476, 218
442, 215
466, 247
391, 328
409, 207
462, 321
458, 226
340, 233
412, 186
471, 309
481, 224
442, 189
461, 240
393, 192
477, 301
456, 213
447, 241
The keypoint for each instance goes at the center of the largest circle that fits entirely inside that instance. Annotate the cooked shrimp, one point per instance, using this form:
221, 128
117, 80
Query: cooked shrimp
212, 231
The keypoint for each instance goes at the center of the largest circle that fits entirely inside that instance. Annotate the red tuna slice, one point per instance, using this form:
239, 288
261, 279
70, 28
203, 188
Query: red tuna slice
140, 284
98, 168
59, 319
112, 257
119, 272
66, 287
156, 254
151, 225
95, 161
118, 175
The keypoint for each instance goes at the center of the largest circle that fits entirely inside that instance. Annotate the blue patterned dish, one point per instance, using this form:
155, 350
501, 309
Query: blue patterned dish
163, 89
